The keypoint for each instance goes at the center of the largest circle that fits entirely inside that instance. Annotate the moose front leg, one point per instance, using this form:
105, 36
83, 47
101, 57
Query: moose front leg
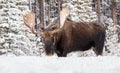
64, 54
61, 53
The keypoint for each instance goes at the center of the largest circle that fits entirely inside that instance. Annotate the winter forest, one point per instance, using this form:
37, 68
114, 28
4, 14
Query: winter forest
19, 47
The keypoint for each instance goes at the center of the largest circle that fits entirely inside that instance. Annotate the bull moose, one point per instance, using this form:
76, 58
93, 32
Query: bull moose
68, 36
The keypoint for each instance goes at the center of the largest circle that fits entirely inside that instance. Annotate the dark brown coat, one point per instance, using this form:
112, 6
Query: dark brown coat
78, 37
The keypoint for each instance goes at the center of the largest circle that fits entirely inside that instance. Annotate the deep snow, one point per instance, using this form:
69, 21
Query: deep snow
27, 64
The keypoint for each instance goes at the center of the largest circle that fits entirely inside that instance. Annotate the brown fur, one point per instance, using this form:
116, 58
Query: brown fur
74, 37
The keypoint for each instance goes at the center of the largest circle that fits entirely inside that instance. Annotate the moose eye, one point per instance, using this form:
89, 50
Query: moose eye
53, 27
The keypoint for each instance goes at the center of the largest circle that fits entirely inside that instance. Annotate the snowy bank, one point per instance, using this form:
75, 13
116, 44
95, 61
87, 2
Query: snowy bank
32, 64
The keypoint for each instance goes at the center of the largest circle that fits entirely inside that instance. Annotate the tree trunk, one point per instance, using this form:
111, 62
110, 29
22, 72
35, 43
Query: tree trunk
35, 11
98, 9
59, 9
114, 12
49, 12
114, 15
30, 6
41, 7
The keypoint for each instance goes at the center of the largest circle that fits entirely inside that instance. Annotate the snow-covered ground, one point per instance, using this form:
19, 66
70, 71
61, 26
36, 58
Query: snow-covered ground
27, 64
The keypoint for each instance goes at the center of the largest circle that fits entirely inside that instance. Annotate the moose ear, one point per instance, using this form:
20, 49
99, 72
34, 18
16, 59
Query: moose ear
56, 26
63, 16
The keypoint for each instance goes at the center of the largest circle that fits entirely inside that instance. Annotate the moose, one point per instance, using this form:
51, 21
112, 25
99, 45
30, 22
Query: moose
67, 36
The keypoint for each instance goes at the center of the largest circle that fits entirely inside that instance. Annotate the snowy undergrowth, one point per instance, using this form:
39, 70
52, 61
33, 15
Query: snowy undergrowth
111, 42
20, 43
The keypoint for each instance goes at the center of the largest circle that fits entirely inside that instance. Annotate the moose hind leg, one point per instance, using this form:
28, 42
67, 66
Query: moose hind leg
98, 50
99, 44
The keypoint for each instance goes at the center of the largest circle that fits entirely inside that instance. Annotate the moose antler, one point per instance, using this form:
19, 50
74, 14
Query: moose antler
29, 21
64, 13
